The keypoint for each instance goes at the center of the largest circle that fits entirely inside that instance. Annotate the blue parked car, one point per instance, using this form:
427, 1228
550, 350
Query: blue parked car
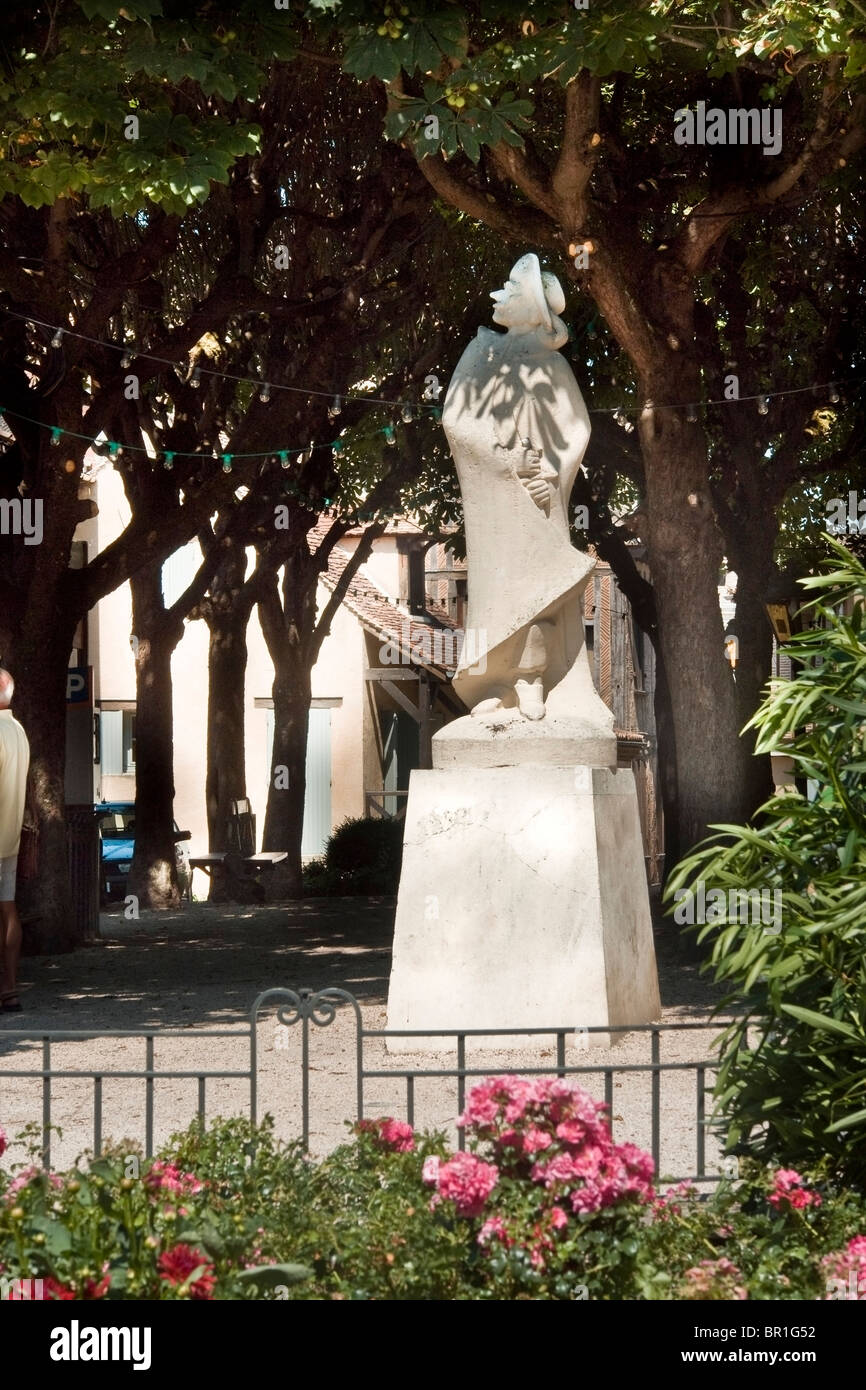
116, 820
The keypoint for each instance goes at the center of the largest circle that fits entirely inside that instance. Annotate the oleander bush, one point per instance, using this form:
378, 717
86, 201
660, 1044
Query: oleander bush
797, 1094
541, 1205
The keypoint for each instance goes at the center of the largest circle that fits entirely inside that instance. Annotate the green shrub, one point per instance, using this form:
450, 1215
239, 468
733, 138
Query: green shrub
316, 879
798, 1094
364, 856
227, 1213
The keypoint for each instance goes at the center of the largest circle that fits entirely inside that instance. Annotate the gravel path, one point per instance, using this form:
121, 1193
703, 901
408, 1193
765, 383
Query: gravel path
201, 969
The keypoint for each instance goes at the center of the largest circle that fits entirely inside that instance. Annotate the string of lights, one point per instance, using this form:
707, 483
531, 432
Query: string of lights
409, 411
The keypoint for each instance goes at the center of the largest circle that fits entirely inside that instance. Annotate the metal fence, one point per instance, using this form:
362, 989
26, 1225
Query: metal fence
306, 1008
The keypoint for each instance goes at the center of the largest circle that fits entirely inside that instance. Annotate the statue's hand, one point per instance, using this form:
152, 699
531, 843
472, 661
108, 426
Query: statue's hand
539, 491
536, 476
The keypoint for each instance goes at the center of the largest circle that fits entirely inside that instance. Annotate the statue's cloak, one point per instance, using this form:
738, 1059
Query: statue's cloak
507, 389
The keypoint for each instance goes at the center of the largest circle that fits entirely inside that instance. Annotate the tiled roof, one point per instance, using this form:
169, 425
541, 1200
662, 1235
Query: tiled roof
415, 640
379, 614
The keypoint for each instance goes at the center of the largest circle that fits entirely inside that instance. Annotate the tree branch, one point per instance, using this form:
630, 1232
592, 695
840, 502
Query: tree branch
359, 556
578, 156
525, 225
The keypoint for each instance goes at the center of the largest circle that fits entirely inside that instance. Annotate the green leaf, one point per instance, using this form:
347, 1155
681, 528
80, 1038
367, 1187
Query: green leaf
822, 1022
849, 1122
368, 54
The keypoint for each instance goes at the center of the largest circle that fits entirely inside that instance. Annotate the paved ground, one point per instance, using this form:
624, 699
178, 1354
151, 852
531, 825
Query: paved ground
201, 968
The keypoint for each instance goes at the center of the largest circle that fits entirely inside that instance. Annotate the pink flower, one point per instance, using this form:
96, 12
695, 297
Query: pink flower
167, 1177
535, 1139
387, 1133
430, 1170
397, 1135
4, 1144
467, 1182
668, 1204
845, 1271
714, 1279
511, 1139
494, 1229
553, 1134
557, 1171
787, 1192
28, 1175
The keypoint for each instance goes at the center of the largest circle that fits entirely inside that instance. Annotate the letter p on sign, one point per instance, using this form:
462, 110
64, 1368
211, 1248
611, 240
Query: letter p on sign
76, 687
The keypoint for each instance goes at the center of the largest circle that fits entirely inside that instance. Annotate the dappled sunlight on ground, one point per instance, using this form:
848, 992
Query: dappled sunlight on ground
203, 966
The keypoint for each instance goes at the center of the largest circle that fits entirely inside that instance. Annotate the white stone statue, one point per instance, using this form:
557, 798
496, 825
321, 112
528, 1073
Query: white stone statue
518, 429
523, 897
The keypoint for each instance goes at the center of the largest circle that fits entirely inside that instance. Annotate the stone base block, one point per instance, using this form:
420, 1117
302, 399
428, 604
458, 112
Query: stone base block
506, 739
523, 903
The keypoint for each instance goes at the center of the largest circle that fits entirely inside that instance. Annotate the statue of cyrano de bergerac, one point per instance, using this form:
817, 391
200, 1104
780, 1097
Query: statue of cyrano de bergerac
518, 429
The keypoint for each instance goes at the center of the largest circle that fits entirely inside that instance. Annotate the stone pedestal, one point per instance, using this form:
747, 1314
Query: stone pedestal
522, 903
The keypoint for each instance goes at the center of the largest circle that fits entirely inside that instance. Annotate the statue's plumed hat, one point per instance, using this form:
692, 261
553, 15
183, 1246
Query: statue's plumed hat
544, 287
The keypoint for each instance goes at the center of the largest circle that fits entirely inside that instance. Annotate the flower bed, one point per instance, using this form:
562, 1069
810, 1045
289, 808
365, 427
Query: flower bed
543, 1204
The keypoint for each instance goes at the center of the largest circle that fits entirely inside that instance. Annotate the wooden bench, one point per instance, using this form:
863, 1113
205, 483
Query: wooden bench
234, 870
267, 858
207, 862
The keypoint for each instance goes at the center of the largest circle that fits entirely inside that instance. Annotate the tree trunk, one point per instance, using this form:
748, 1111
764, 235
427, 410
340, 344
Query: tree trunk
226, 756
667, 764
685, 552
751, 555
153, 877
227, 614
284, 625
37, 627
39, 665
284, 822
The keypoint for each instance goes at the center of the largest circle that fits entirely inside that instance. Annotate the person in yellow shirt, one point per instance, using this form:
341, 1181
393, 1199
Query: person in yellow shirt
14, 764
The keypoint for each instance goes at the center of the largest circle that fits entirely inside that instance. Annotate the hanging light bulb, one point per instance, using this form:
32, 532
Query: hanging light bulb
390, 437
227, 462
834, 394
195, 379
57, 340
284, 458
168, 461
335, 408
265, 393
337, 446
56, 435
305, 454
691, 413
763, 405
114, 450
125, 361
407, 414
